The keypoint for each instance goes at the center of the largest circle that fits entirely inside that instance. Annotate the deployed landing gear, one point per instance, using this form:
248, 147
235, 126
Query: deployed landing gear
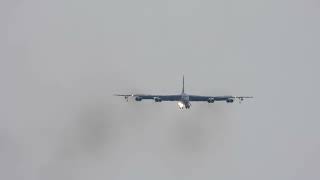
182, 105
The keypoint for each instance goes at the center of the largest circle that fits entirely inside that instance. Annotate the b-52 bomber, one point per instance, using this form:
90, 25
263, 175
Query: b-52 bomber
184, 99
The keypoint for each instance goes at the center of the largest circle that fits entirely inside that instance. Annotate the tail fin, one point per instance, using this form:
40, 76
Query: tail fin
183, 84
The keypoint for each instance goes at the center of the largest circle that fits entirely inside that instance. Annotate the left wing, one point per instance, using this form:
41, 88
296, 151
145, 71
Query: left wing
211, 99
157, 98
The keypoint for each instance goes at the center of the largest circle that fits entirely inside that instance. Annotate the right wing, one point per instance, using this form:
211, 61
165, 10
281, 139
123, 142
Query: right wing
211, 99
157, 98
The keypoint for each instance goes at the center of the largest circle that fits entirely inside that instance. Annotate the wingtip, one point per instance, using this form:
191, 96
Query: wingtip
127, 95
118, 94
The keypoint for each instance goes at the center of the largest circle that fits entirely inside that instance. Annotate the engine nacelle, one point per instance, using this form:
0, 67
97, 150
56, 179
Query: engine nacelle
138, 98
211, 100
157, 99
229, 100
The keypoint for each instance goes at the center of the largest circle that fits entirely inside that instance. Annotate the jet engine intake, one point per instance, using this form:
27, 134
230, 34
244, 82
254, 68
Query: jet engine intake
211, 100
138, 98
157, 99
229, 100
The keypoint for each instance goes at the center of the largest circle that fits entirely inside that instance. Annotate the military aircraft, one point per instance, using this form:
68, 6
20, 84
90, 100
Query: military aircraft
184, 99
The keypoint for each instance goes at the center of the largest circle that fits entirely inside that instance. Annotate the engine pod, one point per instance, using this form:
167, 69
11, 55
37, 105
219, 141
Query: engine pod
157, 99
138, 98
211, 100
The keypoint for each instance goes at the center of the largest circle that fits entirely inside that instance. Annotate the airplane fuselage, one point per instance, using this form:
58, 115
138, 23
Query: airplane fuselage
184, 102
183, 99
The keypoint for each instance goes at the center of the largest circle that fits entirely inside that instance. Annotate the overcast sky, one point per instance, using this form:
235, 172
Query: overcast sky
61, 61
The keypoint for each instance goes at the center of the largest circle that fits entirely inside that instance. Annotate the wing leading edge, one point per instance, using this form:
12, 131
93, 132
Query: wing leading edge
217, 98
140, 97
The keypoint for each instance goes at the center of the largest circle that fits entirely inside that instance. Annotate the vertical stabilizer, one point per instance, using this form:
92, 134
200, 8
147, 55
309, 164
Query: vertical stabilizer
182, 84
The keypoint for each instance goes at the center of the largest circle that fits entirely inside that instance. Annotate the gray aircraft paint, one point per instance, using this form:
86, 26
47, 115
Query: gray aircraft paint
183, 99
61, 61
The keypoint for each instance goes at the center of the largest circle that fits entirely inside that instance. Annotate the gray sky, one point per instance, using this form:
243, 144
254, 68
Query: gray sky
61, 61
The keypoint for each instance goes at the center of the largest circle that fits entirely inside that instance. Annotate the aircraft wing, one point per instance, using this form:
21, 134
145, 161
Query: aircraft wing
217, 98
139, 97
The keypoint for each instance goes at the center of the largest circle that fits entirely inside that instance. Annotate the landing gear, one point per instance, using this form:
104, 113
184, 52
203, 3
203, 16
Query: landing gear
183, 105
